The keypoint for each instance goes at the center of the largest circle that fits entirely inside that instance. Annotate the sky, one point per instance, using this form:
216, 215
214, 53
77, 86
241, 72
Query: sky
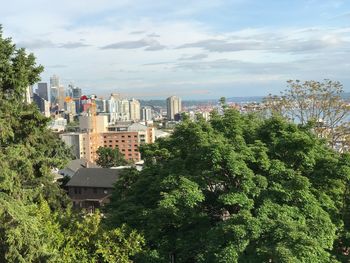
193, 49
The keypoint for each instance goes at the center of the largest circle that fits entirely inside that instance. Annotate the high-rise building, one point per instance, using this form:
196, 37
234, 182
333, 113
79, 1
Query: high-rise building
134, 108
61, 97
54, 88
74, 92
124, 110
54, 95
43, 105
101, 105
146, 114
69, 107
173, 107
54, 81
43, 91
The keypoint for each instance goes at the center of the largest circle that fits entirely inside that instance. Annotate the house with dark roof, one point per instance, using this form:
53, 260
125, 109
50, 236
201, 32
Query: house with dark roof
91, 188
74, 165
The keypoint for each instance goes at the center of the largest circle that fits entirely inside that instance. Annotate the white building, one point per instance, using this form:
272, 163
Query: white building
146, 114
173, 107
86, 123
134, 108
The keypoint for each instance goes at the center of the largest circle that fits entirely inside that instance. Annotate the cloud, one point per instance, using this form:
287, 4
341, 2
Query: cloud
147, 43
282, 44
194, 57
216, 45
73, 45
153, 35
36, 44
237, 66
137, 32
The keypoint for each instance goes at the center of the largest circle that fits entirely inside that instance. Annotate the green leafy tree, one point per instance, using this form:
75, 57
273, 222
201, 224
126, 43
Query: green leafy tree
110, 157
237, 189
35, 223
88, 240
315, 102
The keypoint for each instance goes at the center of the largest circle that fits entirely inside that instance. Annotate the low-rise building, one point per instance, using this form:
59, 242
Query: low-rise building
91, 188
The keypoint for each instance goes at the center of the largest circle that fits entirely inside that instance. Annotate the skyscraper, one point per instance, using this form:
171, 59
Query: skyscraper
124, 110
43, 91
54, 88
61, 97
146, 114
134, 108
74, 92
173, 107
54, 95
54, 81
43, 105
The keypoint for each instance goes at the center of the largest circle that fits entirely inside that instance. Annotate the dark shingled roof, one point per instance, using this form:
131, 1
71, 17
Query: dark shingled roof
95, 177
76, 164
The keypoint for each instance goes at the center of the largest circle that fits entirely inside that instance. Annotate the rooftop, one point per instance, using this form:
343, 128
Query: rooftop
95, 177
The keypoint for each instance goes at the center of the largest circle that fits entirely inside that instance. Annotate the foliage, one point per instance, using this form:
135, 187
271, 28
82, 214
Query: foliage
87, 240
109, 157
314, 102
35, 223
237, 189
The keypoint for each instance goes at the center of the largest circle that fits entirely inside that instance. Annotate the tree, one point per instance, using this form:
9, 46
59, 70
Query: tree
237, 189
314, 102
88, 240
109, 157
35, 218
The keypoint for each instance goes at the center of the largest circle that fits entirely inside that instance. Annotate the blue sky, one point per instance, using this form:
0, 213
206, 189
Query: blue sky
193, 49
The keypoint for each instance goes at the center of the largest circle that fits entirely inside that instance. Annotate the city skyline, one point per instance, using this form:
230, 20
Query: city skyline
207, 49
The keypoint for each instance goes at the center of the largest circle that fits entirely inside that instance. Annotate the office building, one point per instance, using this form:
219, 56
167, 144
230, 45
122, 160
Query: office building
43, 91
74, 92
146, 114
54, 81
134, 108
173, 107
61, 97
43, 105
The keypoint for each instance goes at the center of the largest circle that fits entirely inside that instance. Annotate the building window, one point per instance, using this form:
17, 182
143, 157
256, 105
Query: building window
95, 190
135, 136
129, 136
110, 146
77, 190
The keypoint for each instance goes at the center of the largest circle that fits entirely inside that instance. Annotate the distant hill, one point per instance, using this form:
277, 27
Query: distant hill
189, 103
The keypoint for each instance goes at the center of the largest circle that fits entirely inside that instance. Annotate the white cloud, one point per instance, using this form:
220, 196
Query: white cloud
104, 45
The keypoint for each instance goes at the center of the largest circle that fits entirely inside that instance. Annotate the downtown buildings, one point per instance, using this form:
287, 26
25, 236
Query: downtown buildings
174, 107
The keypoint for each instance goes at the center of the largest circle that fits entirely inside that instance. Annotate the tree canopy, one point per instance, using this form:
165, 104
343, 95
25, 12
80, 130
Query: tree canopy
110, 157
237, 189
320, 103
36, 223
